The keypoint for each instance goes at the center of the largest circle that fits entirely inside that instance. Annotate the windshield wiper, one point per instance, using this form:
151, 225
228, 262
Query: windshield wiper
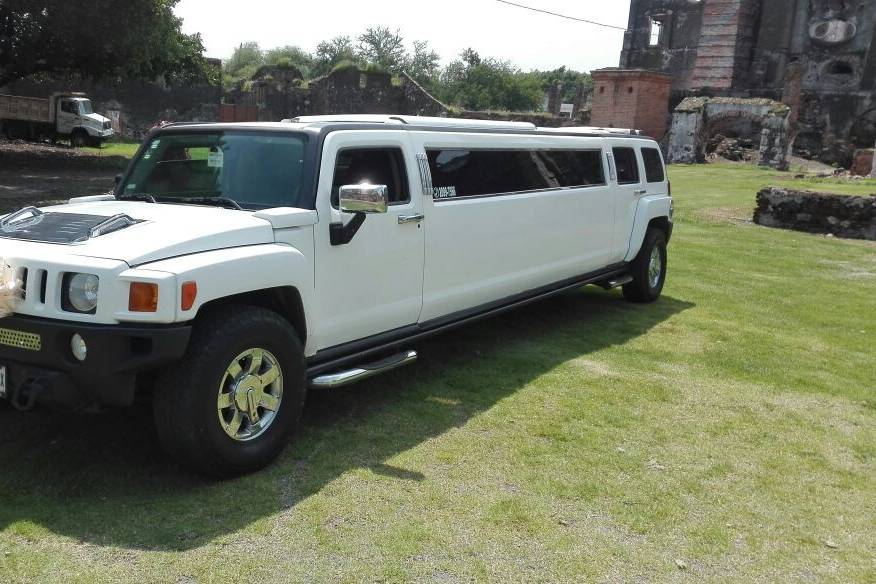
220, 201
139, 197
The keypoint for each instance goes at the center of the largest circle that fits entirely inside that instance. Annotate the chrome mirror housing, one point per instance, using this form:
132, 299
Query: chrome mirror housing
364, 198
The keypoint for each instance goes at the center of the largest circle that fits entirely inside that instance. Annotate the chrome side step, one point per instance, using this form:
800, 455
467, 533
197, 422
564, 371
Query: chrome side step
356, 374
616, 282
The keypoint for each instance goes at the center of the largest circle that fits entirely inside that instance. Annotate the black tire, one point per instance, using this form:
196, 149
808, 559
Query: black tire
186, 410
78, 138
643, 288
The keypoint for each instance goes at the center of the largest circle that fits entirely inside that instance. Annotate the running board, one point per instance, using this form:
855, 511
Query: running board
356, 374
616, 282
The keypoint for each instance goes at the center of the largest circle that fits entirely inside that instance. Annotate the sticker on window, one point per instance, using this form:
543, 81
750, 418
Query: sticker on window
215, 159
443, 192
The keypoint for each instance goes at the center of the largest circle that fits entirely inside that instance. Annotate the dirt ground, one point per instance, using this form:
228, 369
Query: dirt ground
39, 174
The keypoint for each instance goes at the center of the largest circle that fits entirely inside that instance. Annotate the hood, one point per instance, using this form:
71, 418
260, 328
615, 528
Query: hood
96, 118
160, 231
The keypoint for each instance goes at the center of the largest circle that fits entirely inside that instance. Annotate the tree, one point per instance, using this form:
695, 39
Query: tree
570, 79
331, 53
476, 83
424, 64
61, 36
244, 61
383, 47
290, 56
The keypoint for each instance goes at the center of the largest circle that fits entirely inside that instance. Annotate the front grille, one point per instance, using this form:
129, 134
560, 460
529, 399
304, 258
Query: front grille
20, 340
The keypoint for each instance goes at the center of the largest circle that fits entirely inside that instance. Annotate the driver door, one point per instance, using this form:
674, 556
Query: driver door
374, 283
68, 116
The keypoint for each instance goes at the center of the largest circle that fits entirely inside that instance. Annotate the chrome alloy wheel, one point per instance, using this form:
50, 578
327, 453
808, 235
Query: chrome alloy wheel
250, 394
655, 267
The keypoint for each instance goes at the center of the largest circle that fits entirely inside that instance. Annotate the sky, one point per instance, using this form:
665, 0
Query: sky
530, 40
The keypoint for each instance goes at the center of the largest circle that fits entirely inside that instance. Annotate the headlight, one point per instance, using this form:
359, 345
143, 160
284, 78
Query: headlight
81, 292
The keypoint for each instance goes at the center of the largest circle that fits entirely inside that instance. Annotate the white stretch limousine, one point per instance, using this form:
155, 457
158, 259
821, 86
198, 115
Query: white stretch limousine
237, 265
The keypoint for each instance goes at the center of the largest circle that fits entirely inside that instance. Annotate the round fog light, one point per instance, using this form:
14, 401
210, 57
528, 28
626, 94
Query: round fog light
78, 346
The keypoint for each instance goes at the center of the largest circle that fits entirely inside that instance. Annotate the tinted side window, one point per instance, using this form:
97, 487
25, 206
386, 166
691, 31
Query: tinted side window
67, 106
627, 166
653, 165
473, 173
377, 166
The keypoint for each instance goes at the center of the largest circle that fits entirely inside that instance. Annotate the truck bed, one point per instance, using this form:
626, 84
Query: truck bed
32, 109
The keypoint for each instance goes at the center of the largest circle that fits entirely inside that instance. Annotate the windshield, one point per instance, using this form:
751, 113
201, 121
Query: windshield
257, 171
85, 108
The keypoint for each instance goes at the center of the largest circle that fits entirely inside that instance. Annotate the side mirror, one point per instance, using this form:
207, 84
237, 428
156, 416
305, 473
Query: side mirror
364, 198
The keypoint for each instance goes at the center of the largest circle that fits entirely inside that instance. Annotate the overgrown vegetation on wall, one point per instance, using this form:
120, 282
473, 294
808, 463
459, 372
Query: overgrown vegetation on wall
471, 81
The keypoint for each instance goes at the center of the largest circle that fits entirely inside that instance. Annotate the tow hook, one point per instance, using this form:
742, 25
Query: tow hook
23, 397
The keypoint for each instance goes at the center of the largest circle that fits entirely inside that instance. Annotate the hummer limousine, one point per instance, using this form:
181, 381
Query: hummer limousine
236, 266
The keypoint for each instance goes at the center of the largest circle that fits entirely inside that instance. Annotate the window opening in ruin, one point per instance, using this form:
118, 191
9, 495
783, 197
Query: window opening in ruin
840, 68
656, 33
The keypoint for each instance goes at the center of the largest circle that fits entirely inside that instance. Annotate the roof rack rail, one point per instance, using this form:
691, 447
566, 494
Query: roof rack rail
416, 121
594, 130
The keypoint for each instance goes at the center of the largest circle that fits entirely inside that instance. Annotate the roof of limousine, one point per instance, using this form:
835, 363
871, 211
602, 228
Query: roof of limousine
325, 124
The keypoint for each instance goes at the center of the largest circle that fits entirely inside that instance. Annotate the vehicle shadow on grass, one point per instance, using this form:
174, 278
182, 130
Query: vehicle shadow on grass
103, 479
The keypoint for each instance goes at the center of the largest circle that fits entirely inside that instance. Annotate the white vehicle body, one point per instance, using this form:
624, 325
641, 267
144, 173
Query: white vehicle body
433, 259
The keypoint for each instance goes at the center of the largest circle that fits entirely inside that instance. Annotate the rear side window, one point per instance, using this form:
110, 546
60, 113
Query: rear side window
376, 166
480, 173
653, 165
627, 166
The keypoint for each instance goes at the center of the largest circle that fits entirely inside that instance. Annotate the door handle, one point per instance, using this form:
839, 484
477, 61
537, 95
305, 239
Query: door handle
405, 219
641, 192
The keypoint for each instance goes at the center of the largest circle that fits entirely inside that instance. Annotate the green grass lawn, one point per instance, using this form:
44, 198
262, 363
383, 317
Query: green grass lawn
726, 433
124, 149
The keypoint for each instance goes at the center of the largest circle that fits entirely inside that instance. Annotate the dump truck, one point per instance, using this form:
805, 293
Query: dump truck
61, 116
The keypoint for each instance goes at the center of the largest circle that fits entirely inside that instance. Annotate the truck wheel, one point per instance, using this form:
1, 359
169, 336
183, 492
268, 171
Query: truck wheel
78, 138
648, 269
229, 407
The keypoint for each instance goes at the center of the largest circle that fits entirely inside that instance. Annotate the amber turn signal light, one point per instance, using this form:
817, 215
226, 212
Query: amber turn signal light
189, 294
143, 297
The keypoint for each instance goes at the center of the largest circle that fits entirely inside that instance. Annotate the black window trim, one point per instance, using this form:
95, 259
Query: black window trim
604, 182
403, 167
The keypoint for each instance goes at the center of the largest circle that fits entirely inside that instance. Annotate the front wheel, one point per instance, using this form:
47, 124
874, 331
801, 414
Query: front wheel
78, 139
648, 270
231, 405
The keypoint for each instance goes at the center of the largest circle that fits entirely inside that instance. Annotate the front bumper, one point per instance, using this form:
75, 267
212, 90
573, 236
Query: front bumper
102, 134
116, 355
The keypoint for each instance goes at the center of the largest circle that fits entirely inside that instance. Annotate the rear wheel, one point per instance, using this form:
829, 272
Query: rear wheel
78, 138
648, 270
230, 406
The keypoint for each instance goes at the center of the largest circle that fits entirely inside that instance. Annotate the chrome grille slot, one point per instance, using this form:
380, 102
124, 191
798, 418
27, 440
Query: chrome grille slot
20, 340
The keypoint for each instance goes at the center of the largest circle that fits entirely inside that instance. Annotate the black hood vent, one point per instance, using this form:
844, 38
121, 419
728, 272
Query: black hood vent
31, 224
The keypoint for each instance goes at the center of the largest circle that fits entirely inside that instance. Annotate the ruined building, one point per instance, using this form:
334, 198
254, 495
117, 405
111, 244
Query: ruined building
818, 57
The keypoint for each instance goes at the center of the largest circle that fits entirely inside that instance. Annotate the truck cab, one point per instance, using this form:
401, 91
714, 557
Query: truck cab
75, 117
238, 266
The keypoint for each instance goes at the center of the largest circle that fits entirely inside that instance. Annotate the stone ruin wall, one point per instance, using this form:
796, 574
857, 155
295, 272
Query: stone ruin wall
817, 56
839, 215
